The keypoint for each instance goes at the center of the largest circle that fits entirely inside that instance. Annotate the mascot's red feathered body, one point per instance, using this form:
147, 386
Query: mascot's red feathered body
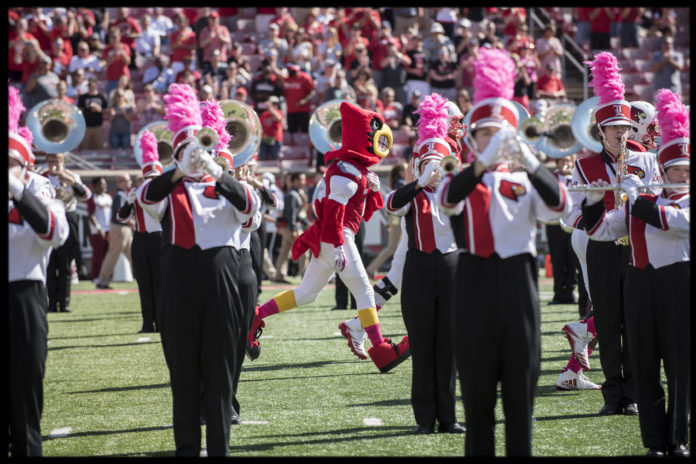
349, 194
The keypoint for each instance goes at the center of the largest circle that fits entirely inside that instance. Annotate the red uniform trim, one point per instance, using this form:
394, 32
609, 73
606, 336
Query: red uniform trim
563, 200
139, 218
593, 168
182, 232
636, 234
423, 223
478, 205
247, 210
51, 227
663, 218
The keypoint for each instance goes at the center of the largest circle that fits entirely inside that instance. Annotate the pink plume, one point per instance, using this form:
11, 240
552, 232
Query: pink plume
213, 117
26, 134
183, 108
433, 117
495, 75
148, 145
15, 109
672, 116
606, 79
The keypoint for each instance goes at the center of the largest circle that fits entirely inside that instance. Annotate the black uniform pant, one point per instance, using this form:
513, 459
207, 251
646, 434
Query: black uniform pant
58, 274
146, 253
606, 273
426, 305
204, 326
497, 338
563, 262
257, 239
657, 317
28, 334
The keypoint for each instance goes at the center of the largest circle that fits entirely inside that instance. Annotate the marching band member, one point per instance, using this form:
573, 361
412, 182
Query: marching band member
430, 264
657, 291
607, 261
146, 249
36, 225
202, 209
494, 213
70, 189
351, 195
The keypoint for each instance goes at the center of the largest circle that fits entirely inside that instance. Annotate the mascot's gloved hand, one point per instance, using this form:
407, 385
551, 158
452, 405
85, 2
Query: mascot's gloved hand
630, 184
493, 154
594, 196
210, 166
131, 195
190, 163
432, 170
339, 258
373, 180
16, 186
529, 161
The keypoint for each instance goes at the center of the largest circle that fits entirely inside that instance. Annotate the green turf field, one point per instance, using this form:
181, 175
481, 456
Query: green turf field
107, 389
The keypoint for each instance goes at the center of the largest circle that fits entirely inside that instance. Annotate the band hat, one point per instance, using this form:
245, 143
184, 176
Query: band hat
19, 149
184, 135
614, 113
493, 112
675, 153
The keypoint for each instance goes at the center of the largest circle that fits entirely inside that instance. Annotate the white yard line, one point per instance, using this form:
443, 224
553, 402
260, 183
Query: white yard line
143, 339
372, 421
61, 432
253, 422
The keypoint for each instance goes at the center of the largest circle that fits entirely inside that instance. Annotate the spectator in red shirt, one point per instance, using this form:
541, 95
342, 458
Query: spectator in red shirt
600, 24
272, 130
181, 42
299, 90
118, 57
391, 109
512, 17
65, 29
188, 68
283, 19
18, 38
214, 37
519, 40
130, 30
40, 27
314, 28
85, 22
343, 28
550, 85
368, 19
31, 55
380, 49
355, 42
61, 58
630, 19
583, 27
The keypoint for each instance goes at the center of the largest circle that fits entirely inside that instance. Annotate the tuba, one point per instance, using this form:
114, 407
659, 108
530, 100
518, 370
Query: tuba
164, 144
325, 126
584, 125
557, 139
244, 126
57, 126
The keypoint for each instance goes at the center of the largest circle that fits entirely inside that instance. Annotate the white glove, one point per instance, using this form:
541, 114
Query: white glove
190, 163
16, 186
373, 180
131, 195
631, 183
210, 166
530, 162
493, 154
432, 169
595, 196
339, 258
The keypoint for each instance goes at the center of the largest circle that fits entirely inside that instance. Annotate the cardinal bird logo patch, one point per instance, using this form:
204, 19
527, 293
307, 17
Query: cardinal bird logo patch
14, 217
210, 192
511, 190
635, 170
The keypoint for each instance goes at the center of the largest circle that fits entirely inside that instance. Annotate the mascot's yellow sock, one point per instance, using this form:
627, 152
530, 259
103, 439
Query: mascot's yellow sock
279, 303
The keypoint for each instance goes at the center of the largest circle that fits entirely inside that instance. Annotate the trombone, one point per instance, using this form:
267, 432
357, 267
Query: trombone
597, 188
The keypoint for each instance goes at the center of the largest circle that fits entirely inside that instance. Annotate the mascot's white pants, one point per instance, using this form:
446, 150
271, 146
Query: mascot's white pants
320, 270
579, 240
396, 270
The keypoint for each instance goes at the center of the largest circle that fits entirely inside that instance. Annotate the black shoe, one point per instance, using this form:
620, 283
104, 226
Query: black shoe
52, 310
630, 409
234, 419
146, 331
203, 422
104, 287
610, 409
337, 307
424, 429
252, 352
680, 451
451, 428
656, 453
65, 310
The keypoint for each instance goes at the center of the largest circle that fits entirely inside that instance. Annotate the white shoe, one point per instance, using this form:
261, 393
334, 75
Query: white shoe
353, 331
579, 337
569, 380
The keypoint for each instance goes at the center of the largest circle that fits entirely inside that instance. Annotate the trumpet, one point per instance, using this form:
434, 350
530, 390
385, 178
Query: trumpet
597, 188
450, 164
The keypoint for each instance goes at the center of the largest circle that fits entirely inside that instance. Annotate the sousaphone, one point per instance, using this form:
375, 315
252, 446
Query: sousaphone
244, 126
584, 125
161, 131
325, 126
56, 125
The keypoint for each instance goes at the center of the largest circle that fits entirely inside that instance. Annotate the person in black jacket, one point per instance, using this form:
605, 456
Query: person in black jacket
291, 226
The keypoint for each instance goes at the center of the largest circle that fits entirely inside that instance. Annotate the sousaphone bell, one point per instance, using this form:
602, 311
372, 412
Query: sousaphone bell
325, 126
244, 126
161, 131
56, 125
584, 125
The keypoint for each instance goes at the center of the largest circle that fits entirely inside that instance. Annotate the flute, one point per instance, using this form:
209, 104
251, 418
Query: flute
596, 188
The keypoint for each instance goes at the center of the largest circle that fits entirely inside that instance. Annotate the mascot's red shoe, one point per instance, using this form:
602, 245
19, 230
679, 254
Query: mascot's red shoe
253, 348
387, 355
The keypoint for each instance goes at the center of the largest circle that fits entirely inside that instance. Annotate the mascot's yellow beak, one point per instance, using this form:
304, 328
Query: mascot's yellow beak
382, 141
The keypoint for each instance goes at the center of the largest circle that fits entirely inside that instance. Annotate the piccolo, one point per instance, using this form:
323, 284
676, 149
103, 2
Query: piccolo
596, 188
